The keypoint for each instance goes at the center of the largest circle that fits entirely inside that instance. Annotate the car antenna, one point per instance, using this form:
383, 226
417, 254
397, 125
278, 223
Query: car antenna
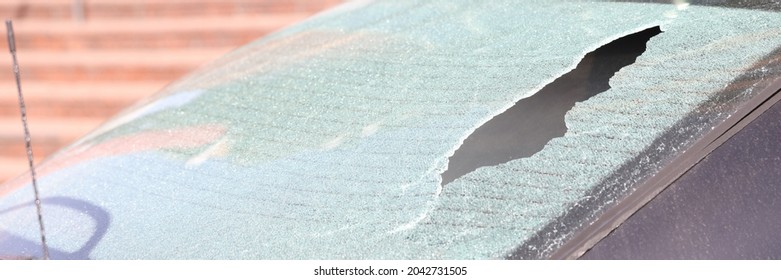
27, 140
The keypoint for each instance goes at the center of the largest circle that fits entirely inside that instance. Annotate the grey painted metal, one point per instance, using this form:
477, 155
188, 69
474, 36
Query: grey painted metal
725, 207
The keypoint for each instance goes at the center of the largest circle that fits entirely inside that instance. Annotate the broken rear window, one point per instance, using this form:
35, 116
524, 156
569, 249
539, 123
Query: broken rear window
330, 139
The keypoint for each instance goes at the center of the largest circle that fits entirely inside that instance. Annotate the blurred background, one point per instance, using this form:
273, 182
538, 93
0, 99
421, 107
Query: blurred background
82, 61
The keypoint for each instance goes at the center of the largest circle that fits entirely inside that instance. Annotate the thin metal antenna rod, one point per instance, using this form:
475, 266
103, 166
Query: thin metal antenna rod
27, 140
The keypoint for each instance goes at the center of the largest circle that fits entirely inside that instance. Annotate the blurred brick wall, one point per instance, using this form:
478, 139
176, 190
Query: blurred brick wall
84, 60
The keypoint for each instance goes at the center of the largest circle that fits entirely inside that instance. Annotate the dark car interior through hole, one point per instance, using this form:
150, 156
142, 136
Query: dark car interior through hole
525, 128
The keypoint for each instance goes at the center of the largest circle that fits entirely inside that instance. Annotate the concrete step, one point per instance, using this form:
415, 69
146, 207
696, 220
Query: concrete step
12, 167
96, 9
80, 100
48, 134
78, 71
191, 32
108, 65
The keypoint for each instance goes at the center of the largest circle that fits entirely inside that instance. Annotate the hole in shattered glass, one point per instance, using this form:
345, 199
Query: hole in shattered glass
525, 128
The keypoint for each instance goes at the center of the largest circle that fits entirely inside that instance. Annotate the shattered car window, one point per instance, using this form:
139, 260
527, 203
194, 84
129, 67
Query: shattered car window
329, 139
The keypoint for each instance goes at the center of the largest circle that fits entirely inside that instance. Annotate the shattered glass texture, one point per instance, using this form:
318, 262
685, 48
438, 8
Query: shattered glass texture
326, 140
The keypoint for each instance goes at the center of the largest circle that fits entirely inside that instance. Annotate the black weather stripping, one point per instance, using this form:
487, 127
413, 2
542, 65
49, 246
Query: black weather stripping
532, 122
